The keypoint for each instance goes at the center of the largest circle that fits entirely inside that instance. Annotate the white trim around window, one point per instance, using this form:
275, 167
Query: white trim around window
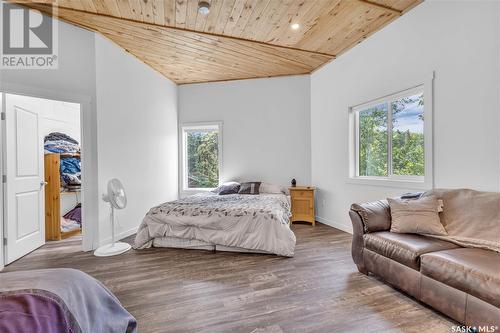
410, 182
185, 128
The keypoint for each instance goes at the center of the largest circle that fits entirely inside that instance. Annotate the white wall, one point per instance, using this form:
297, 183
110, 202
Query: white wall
266, 126
64, 117
137, 135
459, 40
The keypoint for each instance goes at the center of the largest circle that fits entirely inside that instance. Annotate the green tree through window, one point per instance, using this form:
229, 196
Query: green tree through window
202, 149
373, 141
406, 135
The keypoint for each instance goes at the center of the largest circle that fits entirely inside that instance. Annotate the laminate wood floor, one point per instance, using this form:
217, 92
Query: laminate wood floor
319, 290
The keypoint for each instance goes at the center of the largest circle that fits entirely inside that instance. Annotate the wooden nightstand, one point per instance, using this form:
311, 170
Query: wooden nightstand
302, 198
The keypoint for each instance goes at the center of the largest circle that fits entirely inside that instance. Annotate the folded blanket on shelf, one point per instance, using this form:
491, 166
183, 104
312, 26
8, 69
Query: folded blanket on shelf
70, 171
61, 146
70, 179
56, 136
70, 165
60, 143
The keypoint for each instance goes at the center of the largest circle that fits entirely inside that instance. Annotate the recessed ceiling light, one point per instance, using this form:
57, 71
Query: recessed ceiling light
295, 26
203, 7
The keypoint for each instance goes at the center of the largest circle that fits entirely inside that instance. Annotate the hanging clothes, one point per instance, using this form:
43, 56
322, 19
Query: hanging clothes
75, 214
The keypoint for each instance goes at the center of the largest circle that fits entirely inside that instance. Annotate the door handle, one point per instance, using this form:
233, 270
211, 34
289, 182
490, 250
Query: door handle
43, 183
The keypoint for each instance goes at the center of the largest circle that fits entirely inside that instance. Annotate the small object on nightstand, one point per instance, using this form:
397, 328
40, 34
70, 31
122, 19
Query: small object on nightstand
294, 182
302, 198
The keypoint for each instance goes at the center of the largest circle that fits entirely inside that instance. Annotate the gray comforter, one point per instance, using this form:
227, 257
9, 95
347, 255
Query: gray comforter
60, 300
252, 222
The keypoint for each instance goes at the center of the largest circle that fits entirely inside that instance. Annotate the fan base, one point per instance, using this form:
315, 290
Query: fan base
112, 249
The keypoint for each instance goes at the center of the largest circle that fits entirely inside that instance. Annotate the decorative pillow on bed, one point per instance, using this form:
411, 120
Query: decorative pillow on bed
270, 188
227, 188
416, 216
249, 188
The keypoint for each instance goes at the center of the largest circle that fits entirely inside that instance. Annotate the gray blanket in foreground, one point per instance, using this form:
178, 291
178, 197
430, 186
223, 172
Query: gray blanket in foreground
91, 304
252, 222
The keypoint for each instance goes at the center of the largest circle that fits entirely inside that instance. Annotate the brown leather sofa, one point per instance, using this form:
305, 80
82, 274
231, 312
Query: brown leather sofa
463, 283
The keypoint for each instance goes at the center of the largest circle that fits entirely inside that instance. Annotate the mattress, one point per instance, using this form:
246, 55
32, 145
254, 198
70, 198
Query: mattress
194, 244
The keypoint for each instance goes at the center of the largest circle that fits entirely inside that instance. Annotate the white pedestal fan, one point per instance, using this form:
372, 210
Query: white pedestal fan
117, 200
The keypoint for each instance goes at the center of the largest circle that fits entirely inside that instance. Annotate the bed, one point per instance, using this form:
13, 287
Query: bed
209, 221
59, 300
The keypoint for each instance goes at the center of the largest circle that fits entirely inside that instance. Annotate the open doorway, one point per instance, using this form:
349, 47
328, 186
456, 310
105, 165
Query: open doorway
42, 168
62, 165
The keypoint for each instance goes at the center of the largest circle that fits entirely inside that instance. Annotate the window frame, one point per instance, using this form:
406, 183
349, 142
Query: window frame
391, 180
185, 128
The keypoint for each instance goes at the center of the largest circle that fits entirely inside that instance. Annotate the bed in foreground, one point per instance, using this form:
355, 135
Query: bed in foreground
59, 300
235, 222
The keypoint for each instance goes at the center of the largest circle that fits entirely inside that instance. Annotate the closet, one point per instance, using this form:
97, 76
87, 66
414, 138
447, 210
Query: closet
62, 164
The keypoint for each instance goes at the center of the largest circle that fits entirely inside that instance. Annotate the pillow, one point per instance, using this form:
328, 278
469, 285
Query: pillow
416, 216
227, 188
249, 188
270, 188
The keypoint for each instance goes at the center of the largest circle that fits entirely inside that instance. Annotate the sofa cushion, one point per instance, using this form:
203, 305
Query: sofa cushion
404, 248
474, 271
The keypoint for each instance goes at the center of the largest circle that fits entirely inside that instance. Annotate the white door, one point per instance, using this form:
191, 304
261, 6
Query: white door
24, 187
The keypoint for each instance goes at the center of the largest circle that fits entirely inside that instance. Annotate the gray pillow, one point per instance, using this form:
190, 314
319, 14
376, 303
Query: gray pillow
249, 188
227, 188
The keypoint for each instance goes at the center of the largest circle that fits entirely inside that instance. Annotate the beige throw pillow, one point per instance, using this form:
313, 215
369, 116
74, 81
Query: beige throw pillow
416, 216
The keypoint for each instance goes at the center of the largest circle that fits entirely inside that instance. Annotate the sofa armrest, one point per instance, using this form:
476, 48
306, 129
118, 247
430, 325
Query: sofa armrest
376, 215
365, 218
357, 245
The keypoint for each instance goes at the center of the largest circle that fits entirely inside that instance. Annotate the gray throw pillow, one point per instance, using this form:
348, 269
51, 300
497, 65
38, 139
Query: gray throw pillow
249, 188
227, 188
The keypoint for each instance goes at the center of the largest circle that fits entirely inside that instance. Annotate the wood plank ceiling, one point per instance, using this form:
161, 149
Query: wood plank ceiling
237, 39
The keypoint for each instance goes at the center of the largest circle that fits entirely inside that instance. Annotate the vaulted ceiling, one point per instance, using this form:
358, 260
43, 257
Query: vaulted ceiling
237, 39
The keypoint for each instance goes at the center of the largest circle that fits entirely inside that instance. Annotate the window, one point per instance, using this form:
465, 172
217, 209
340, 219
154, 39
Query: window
390, 140
201, 156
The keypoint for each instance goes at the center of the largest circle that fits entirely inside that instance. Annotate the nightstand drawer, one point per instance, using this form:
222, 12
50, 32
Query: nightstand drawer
302, 193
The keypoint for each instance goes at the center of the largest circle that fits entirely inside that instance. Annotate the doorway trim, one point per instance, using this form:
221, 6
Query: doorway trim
88, 122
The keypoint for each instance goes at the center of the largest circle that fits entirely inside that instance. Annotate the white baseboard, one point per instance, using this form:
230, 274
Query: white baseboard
119, 236
334, 224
